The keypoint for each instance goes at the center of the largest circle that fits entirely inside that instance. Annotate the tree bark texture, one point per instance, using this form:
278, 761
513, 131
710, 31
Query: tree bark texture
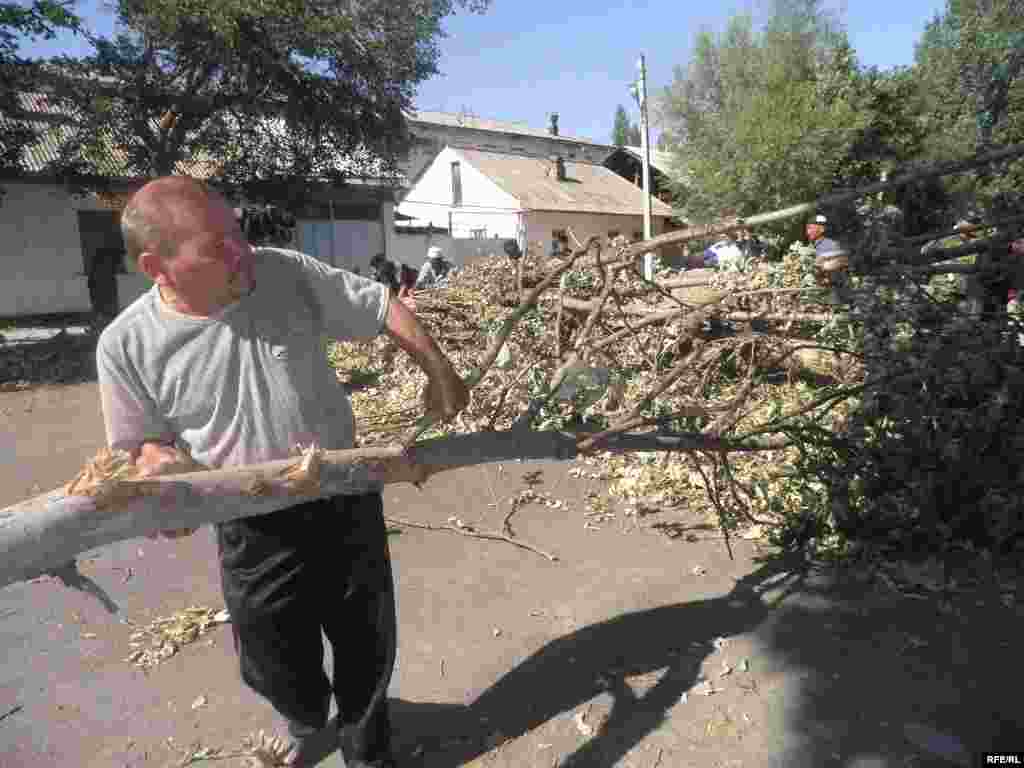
46, 531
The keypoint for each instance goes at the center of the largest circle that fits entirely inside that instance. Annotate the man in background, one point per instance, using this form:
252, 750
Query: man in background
435, 269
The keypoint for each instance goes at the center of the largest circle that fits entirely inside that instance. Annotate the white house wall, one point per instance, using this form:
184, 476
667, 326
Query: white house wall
411, 249
540, 226
42, 252
485, 206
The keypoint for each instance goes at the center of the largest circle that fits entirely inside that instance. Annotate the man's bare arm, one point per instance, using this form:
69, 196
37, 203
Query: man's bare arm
446, 393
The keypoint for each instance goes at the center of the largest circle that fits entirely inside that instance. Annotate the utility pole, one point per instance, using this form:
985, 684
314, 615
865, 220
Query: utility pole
645, 145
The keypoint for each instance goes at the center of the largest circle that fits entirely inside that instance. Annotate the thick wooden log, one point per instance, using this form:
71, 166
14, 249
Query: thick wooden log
47, 531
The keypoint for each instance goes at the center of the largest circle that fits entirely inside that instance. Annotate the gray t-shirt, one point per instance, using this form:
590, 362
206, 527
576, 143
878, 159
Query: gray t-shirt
248, 384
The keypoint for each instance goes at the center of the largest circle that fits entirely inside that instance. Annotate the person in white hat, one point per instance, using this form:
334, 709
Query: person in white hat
823, 246
434, 269
830, 260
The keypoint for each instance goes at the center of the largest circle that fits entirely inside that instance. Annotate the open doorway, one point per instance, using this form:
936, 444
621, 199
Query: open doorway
103, 255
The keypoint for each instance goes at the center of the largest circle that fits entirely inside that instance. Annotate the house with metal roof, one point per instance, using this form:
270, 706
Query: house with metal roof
627, 161
433, 131
533, 200
63, 251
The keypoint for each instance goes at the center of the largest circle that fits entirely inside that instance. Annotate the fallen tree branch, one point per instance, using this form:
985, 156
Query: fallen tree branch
507, 326
942, 234
663, 315
45, 532
704, 231
475, 534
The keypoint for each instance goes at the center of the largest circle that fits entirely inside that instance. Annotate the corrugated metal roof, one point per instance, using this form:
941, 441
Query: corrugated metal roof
461, 120
588, 188
54, 127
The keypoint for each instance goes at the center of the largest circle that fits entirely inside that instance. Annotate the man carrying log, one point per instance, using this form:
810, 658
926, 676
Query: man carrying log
225, 358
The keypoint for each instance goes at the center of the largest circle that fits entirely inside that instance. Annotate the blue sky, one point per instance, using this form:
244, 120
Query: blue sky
524, 59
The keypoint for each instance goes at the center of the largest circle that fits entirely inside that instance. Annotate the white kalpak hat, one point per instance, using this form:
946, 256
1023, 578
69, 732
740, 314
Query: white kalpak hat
433, 252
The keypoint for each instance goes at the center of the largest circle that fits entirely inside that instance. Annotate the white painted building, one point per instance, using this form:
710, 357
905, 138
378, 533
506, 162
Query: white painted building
433, 131
495, 195
53, 239
44, 268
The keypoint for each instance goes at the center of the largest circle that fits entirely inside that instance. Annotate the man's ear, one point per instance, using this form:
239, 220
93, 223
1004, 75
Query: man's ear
151, 266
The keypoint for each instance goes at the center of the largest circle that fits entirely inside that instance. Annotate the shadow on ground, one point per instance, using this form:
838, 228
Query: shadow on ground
62, 358
854, 678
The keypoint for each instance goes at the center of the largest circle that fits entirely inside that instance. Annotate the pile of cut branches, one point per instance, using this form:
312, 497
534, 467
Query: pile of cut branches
602, 350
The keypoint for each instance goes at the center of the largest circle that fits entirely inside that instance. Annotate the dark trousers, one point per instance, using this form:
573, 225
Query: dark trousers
288, 575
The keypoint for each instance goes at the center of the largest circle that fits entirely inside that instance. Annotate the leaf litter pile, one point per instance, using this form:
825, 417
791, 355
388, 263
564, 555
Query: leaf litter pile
165, 636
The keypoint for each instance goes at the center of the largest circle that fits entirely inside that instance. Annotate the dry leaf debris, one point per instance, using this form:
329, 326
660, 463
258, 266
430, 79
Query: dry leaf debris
165, 636
586, 729
266, 750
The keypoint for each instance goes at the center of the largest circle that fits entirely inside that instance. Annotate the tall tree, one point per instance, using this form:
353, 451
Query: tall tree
262, 93
620, 130
763, 117
633, 135
970, 65
21, 21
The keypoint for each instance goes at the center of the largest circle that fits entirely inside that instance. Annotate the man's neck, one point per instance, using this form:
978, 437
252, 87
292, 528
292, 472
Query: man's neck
178, 304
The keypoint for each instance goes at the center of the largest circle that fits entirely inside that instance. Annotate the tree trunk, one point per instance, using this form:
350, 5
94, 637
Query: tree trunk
47, 531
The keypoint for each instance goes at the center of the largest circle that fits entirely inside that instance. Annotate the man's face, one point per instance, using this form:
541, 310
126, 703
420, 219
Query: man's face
211, 263
815, 231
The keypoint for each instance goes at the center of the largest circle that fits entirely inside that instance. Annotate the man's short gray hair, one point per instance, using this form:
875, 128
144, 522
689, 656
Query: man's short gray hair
141, 232
147, 220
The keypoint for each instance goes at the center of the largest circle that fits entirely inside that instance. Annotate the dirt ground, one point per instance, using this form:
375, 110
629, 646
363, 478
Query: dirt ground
633, 649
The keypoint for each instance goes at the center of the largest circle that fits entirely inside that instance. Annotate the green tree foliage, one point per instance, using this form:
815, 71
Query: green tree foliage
970, 68
620, 130
625, 132
20, 21
634, 135
262, 92
761, 118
